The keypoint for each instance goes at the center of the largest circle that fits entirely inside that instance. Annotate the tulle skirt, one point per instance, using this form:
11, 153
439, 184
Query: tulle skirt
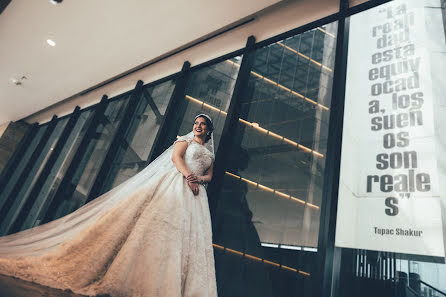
157, 241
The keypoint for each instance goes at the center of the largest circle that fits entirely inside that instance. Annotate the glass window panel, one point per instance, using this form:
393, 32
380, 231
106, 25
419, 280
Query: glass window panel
32, 177
209, 91
17, 172
91, 161
50, 186
269, 207
394, 262
135, 149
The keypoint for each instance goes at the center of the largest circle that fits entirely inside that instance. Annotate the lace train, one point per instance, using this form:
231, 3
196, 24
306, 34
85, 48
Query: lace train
155, 242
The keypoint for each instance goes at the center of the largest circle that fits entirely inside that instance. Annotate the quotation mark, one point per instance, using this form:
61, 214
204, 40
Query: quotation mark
404, 195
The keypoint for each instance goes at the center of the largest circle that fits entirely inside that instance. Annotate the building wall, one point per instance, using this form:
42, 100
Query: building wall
10, 136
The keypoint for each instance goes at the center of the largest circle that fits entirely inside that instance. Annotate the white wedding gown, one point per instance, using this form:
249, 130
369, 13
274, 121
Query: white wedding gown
155, 240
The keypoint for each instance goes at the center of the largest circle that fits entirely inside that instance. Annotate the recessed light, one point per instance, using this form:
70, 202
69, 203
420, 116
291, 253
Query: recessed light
50, 42
18, 80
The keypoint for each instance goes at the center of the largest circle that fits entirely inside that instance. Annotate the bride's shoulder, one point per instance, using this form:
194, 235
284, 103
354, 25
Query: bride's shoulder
188, 140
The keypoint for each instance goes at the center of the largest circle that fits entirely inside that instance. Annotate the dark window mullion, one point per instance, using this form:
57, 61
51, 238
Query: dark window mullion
65, 188
328, 256
149, 99
13, 162
6, 212
123, 148
46, 170
173, 116
234, 110
114, 146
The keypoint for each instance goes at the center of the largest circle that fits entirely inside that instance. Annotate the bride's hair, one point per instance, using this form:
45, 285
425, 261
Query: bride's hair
209, 124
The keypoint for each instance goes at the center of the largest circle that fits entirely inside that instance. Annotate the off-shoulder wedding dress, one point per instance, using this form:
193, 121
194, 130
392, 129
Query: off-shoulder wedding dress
149, 237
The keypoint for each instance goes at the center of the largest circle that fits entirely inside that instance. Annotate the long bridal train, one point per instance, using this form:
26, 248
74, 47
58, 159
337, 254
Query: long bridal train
150, 236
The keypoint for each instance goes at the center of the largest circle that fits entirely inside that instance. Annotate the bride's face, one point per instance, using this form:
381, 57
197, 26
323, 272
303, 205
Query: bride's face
200, 127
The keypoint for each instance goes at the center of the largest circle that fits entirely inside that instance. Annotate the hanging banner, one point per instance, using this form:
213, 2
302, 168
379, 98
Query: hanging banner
389, 192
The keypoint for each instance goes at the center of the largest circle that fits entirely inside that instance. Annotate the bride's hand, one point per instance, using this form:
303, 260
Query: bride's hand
193, 187
192, 178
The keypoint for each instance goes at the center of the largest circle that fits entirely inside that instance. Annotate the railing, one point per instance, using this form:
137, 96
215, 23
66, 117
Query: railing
431, 288
414, 287
382, 266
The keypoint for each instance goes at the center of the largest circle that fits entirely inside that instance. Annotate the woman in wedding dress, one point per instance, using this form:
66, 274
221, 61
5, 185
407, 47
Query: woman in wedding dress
151, 236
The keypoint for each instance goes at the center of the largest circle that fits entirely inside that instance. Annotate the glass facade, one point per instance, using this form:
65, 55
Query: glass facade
54, 178
209, 91
281, 223
78, 188
22, 199
269, 205
8, 194
136, 145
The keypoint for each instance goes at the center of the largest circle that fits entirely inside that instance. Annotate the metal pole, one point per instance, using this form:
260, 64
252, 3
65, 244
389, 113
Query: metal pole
231, 123
173, 116
328, 262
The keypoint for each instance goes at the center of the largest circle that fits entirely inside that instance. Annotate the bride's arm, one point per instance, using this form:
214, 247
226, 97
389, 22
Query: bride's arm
208, 176
177, 157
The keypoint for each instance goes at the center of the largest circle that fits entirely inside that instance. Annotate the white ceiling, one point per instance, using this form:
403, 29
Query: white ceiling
95, 40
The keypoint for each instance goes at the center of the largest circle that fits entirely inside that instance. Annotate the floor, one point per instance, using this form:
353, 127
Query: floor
12, 287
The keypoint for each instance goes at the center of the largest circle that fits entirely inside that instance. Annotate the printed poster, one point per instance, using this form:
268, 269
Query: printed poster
389, 191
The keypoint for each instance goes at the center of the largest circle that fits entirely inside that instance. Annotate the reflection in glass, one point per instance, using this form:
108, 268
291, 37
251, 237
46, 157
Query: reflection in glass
209, 91
25, 188
135, 149
267, 220
50, 186
76, 193
6, 191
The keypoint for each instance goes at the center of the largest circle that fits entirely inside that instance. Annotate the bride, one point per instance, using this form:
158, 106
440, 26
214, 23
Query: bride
151, 236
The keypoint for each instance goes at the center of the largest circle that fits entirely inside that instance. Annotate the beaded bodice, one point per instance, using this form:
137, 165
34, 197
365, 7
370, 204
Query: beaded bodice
197, 158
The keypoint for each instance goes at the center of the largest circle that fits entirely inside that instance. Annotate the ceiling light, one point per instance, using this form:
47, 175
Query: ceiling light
50, 42
18, 81
55, 1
